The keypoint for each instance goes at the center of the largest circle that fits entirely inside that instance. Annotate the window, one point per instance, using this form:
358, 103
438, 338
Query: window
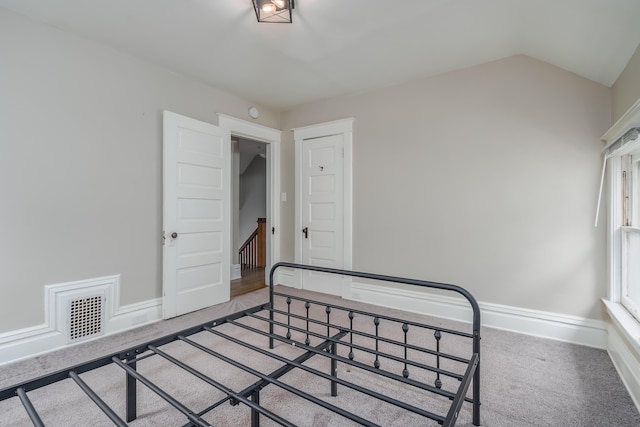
623, 164
630, 232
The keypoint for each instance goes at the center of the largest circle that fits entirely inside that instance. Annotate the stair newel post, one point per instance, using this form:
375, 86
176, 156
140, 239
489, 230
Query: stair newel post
261, 243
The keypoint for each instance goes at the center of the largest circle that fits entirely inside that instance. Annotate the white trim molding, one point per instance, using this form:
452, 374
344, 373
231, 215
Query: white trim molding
246, 129
273, 137
625, 322
236, 271
52, 335
336, 127
324, 129
286, 277
624, 346
625, 363
561, 327
629, 119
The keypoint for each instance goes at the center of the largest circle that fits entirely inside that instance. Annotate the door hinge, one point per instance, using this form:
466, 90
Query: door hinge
273, 230
164, 237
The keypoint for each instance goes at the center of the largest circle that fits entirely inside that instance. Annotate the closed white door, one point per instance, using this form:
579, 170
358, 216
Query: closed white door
322, 211
197, 215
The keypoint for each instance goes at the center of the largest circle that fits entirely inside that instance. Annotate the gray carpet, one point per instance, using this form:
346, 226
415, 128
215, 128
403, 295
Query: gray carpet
526, 381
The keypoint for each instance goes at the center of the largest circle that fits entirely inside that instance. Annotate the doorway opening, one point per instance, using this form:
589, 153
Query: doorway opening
250, 194
270, 139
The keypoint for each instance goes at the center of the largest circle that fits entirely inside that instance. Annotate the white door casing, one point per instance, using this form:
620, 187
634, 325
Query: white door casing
272, 137
196, 214
323, 203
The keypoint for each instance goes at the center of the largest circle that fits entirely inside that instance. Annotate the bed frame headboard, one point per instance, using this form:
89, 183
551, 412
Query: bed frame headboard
473, 370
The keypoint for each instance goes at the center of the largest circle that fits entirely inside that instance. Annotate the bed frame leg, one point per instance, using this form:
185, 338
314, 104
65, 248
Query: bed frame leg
334, 369
131, 392
476, 396
476, 375
255, 415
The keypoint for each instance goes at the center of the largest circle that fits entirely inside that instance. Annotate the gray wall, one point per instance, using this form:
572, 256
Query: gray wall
253, 196
485, 177
80, 163
626, 90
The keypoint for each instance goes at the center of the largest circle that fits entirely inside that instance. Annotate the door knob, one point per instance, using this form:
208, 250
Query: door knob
306, 232
174, 235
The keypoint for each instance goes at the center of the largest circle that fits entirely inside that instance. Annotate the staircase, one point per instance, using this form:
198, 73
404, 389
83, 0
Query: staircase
252, 253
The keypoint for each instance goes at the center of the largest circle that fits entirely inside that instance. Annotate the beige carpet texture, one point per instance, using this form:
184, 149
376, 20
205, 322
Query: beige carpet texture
525, 381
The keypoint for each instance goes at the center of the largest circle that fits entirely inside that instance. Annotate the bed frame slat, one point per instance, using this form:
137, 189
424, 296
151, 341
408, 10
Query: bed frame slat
28, 406
329, 377
285, 386
383, 346
97, 400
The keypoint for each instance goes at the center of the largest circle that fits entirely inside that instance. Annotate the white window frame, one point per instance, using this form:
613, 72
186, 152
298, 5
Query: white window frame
616, 229
629, 223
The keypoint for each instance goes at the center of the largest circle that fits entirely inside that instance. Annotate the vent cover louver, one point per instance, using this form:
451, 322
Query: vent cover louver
85, 317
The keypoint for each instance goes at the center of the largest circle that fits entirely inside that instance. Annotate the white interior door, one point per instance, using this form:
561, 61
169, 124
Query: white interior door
322, 209
196, 215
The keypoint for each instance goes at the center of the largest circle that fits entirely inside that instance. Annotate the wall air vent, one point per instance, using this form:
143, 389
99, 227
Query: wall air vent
86, 318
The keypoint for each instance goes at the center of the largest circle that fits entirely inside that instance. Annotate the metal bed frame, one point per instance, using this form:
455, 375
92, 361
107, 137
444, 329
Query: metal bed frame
318, 330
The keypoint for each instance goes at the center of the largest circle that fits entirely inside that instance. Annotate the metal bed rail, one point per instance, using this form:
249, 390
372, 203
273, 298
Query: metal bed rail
300, 334
472, 373
130, 357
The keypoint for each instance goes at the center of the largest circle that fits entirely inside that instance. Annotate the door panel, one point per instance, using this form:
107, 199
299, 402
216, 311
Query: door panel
322, 210
198, 248
196, 208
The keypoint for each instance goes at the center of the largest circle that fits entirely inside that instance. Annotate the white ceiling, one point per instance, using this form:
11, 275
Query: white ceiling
338, 47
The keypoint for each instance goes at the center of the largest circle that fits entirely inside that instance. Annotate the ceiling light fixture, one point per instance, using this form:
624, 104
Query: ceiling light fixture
275, 11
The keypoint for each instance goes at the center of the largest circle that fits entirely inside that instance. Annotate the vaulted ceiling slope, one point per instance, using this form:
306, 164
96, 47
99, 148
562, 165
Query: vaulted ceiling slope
338, 47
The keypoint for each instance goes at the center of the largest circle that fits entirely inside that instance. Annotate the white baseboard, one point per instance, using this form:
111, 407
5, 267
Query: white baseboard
626, 364
236, 271
135, 315
573, 329
51, 335
624, 347
287, 277
30, 342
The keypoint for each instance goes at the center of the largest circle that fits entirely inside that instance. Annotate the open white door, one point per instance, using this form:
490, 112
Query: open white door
196, 215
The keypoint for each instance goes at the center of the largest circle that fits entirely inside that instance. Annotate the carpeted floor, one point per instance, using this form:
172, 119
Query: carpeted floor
526, 381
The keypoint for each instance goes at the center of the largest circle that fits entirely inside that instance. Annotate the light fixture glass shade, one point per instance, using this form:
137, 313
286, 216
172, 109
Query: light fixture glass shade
268, 8
275, 11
